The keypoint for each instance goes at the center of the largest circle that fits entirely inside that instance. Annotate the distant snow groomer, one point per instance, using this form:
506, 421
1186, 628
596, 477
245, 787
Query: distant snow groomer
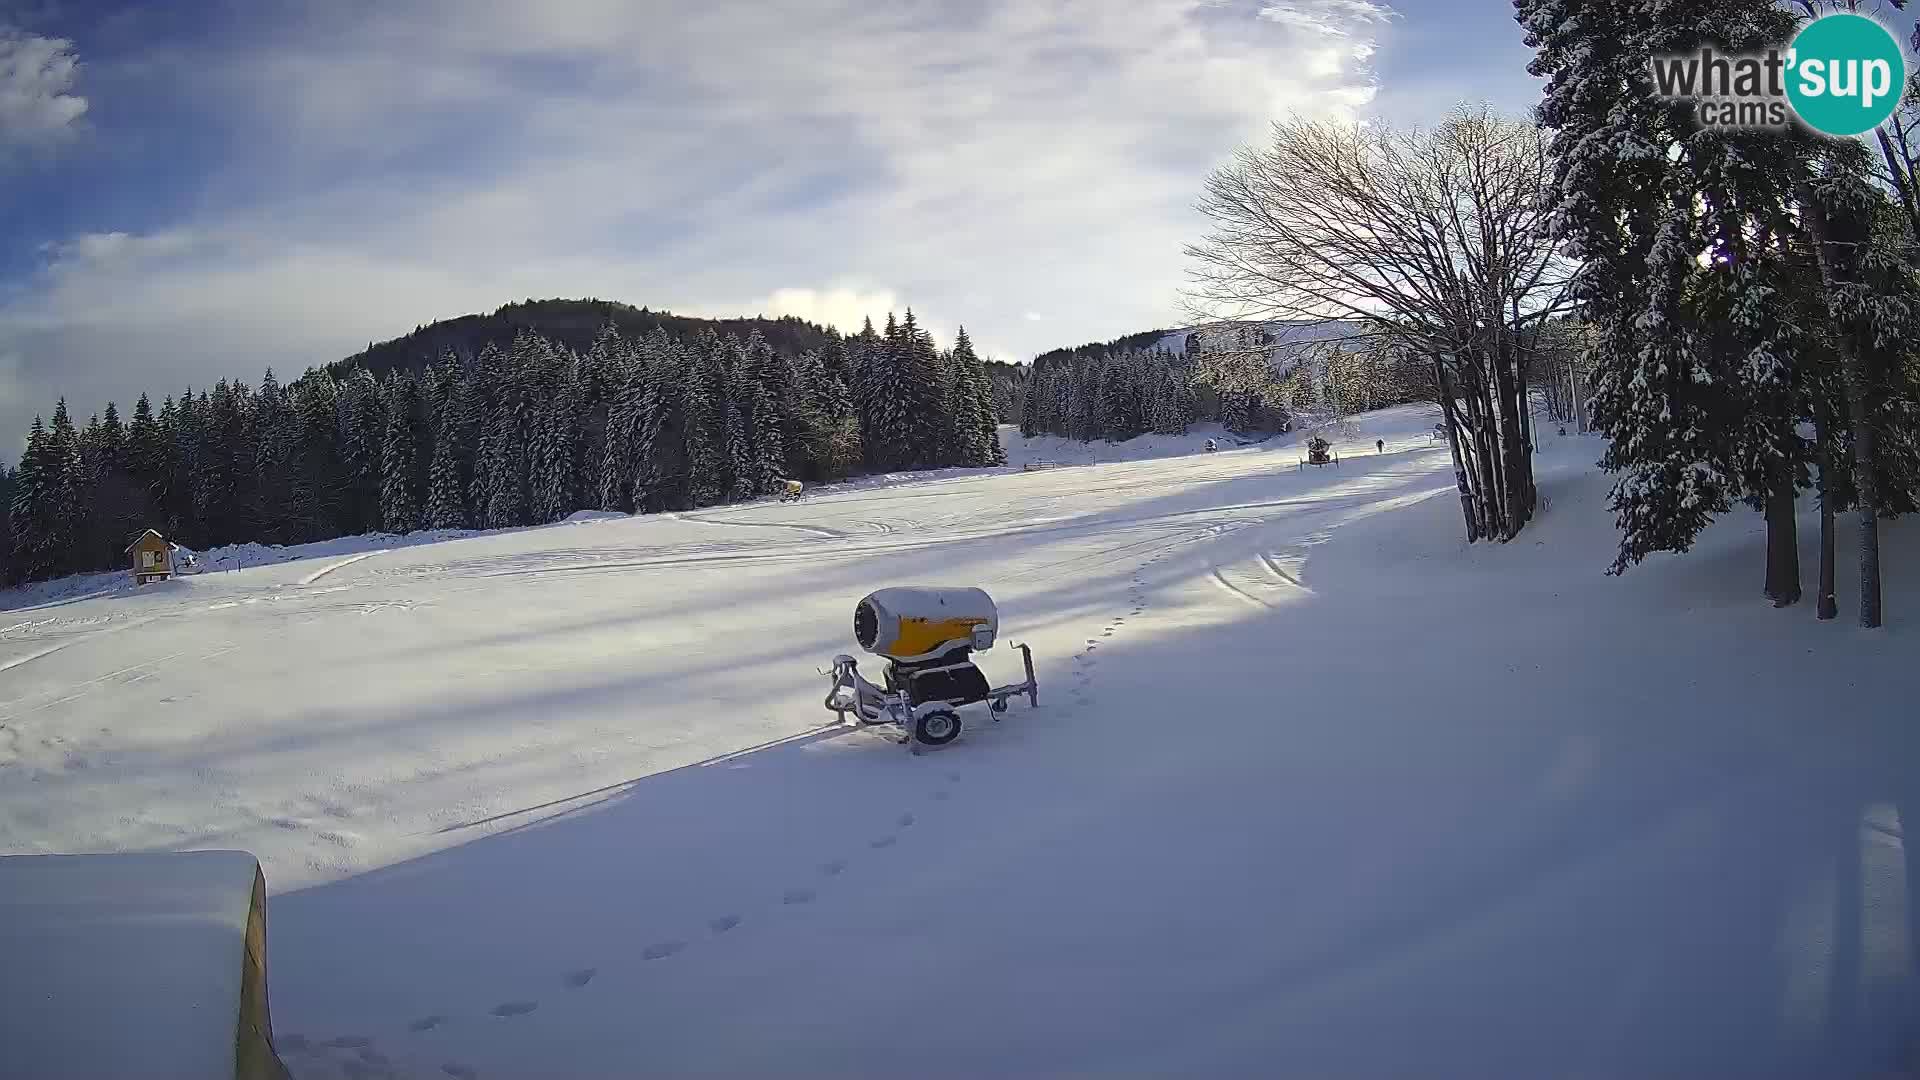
928, 637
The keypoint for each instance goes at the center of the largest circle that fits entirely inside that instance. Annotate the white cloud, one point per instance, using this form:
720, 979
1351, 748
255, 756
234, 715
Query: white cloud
822, 158
842, 308
116, 249
37, 76
1334, 18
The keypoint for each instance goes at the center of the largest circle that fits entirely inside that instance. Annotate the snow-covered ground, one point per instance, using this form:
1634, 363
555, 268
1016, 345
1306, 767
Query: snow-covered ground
1313, 787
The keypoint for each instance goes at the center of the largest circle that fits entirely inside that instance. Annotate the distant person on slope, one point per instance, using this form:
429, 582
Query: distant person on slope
1379, 446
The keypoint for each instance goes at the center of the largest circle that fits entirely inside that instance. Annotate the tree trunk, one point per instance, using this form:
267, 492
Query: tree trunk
1484, 462
1838, 264
1865, 486
1445, 387
1826, 607
1783, 541
1902, 174
1529, 495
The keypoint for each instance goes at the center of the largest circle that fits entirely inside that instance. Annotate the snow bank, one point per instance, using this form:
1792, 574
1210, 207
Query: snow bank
128, 965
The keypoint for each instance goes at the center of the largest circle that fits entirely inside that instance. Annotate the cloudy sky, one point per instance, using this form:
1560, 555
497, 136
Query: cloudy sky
198, 188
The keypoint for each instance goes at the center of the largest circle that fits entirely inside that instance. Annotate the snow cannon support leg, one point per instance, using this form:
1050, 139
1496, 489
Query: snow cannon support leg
1033, 687
997, 697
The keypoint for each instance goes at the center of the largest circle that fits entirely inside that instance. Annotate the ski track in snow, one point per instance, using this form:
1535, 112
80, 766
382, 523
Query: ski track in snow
797, 896
332, 566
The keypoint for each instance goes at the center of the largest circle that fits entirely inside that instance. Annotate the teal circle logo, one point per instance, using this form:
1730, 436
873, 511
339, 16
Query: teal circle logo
1846, 74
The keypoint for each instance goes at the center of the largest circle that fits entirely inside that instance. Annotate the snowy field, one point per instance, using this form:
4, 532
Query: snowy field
1313, 789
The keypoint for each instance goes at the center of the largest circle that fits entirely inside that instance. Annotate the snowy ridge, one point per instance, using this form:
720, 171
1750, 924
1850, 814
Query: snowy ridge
1285, 332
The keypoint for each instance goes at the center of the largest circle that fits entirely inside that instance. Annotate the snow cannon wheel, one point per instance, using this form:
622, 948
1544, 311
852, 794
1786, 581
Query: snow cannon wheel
936, 727
999, 705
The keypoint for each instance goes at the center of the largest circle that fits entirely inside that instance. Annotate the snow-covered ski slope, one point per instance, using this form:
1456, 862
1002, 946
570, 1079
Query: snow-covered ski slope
1314, 789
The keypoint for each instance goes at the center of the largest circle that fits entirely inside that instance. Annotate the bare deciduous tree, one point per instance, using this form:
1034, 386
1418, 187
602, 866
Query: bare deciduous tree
1429, 239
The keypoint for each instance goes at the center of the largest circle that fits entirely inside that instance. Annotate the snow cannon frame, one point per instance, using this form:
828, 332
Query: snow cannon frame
1319, 452
927, 637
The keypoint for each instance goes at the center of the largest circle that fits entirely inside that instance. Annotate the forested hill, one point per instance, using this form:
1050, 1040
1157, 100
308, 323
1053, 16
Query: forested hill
572, 323
1145, 340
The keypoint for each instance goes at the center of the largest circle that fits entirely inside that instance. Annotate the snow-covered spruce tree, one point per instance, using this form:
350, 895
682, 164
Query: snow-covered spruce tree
979, 428
555, 474
736, 469
448, 476
279, 511
766, 384
919, 387
501, 474
881, 398
179, 464
399, 495
1682, 234
702, 427
319, 469
1083, 398
1033, 410
1171, 402
617, 449
1873, 303
115, 510
223, 489
1120, 399
658, 469
42, 544
362, 430
147, 460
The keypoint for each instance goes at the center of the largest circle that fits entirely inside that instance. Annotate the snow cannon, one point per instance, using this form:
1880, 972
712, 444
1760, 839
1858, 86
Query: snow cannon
927, 636
908, 624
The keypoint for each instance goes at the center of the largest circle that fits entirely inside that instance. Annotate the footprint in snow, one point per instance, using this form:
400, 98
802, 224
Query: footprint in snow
515, 1008
724, 923
953, 778
883, 841
582, 977
348, 1042
798, 896
373, 1057
1108, 633
906, 820
942, 795
832, 869
459, 1071
427, 1023
662, 950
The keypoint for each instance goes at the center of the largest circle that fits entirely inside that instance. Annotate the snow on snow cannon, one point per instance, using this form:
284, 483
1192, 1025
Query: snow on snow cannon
928, 638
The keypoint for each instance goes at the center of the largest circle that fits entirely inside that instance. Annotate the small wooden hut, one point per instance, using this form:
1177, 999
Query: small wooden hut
152, 558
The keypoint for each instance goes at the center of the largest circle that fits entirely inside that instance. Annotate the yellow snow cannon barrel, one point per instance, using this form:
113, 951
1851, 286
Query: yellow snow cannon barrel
918, 624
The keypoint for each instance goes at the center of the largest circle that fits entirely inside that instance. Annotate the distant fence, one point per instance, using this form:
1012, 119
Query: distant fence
1039, 463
